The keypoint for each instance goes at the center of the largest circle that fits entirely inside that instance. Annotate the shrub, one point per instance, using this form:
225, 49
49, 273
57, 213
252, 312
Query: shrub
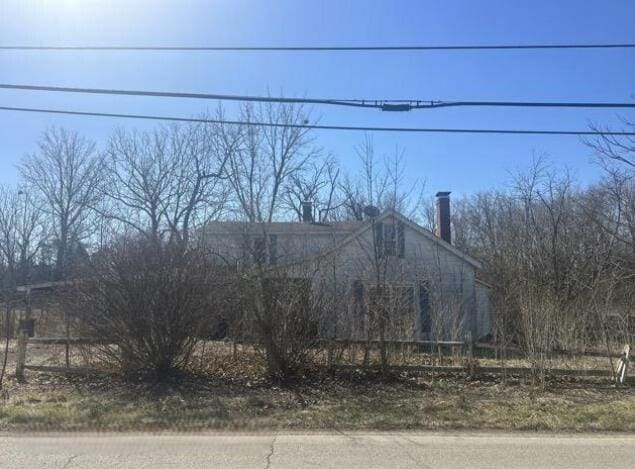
150, 299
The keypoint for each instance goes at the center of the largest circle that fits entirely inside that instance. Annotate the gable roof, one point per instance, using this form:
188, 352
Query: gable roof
418, 228
347, 230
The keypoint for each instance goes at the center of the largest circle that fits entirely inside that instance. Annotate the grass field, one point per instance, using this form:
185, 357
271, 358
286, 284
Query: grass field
227, 394
51, 402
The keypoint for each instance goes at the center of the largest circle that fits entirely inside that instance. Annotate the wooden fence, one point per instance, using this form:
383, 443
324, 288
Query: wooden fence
21, 355
470, 351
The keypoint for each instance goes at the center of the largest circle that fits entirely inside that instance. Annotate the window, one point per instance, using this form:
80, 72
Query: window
390, 239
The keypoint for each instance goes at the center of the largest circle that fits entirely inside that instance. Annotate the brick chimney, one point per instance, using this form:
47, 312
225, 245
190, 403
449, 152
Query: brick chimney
443, 229
307, 212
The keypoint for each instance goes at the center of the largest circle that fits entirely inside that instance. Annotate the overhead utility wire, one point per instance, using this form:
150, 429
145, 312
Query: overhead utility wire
320, 127
324, 48
383, 104
220, 97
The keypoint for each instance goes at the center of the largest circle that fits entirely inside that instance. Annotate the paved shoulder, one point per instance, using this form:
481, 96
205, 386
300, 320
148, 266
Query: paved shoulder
324, 450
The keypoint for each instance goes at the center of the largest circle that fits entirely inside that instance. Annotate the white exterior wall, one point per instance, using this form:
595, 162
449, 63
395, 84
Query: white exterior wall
451, 279
342, 258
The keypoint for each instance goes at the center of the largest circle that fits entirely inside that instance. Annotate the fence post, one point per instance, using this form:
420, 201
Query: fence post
23, 338
67, 345
469, 344
20, 361
622, 367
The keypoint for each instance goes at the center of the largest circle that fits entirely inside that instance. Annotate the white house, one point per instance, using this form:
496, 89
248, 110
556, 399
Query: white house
426, 287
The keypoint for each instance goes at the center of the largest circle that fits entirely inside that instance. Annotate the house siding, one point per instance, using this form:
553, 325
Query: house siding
345, 256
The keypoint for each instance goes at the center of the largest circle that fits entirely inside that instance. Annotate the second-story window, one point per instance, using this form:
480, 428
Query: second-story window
390, 238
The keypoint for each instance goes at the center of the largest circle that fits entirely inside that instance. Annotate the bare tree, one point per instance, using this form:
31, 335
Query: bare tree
198, 189
558, 257
165, 182
616, 149
381, 183
317, 183
21, 237
278, 307
138, 181
22, 233
269, 157
65, 173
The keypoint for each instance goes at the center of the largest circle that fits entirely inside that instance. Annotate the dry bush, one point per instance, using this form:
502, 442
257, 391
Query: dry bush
538, 327
149, 299
285, 315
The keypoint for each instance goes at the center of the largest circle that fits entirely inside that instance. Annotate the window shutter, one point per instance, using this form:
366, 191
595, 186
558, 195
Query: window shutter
379, 238
260, 250
358, 291
401, 239
247, 252
273, 249
390, 239
358, 304
424, 309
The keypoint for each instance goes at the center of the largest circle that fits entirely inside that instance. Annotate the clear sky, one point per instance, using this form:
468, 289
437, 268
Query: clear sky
461, 163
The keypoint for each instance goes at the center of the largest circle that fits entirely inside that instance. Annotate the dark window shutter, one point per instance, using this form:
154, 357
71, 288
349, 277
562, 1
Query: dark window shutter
358, 302
247, 251
358, 291
273, 249
379, 238
390, 237
401, 239
424, 309
260, 250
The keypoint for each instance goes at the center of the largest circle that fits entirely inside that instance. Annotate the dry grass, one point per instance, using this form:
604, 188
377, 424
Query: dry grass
331, 403
227, 394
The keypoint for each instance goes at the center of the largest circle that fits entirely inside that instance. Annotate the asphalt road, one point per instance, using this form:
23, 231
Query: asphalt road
320, 450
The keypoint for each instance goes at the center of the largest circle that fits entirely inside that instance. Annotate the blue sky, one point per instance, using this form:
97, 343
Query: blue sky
461, 163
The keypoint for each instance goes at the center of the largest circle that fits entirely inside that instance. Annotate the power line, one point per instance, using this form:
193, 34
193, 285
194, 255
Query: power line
324, 48
565, 104
322, 127
383, 104
220, 97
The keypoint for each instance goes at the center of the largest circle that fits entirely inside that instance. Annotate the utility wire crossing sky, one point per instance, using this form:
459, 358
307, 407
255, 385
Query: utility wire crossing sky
383, 104
383, 48
324, 127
